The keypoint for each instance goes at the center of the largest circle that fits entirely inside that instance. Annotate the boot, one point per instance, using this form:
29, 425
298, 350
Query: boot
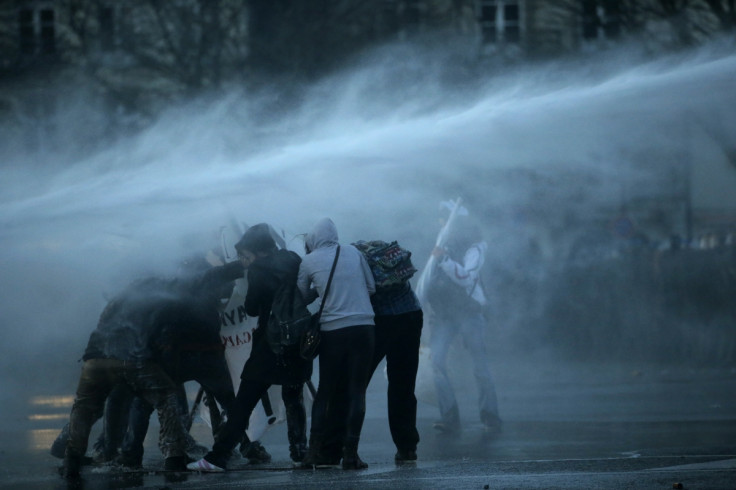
255, 453
175, 463
72, 467
296, 428
58, 448
130, 460
350, 458
297, 452
405, 456
313, 458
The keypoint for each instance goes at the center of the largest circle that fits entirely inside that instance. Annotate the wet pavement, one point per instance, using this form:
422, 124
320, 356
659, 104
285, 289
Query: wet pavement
578, 426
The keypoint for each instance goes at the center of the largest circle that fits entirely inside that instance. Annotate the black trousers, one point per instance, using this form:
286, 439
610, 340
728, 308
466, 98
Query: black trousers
397, 340
249, 394
344, 371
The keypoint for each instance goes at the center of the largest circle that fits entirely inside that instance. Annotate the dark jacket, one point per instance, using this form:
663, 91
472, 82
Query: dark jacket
265, 275
153, 318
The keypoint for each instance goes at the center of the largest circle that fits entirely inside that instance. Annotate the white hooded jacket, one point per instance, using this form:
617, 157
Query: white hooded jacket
467, 274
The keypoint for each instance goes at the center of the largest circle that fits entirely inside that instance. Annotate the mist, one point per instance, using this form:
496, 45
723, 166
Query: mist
535, 152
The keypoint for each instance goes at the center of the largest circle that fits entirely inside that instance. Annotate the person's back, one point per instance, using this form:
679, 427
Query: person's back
128, 328
264, 277
398, 330
348, 302
348, 336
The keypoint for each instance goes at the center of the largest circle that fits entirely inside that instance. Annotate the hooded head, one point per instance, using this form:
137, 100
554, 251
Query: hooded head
257, 239
324, 234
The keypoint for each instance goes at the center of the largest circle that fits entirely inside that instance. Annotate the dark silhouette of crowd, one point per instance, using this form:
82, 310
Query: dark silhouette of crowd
158, 333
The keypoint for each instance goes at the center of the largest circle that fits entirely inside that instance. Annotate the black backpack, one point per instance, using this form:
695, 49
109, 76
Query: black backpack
289, 318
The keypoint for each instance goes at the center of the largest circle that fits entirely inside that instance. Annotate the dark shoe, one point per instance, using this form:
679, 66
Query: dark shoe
58, 448
72, 467
350, 458
315, 458
310, 460
328, 459
404, 456
129, 460
175, 463
320, 460
102, 457
256, 453
353, 462
297, 452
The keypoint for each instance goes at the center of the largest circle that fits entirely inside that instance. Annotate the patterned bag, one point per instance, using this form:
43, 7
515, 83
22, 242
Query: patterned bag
390, 264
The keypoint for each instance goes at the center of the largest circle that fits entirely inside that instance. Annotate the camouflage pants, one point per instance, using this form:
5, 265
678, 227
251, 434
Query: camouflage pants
146, 379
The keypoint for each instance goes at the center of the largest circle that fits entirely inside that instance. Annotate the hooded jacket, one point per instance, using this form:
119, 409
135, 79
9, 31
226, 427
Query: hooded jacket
348, 300
466, 273
265, 275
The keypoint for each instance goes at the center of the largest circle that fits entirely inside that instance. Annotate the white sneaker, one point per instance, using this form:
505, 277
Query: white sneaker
204, 466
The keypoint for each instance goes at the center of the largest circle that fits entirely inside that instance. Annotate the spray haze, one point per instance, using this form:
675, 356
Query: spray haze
375, 148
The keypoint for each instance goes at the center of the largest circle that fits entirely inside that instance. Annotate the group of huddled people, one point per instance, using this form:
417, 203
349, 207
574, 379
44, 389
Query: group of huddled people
159, 333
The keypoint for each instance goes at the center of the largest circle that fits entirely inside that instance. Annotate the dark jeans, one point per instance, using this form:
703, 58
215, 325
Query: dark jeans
249, 394
206, 368
145, 379
344, 369
397, 339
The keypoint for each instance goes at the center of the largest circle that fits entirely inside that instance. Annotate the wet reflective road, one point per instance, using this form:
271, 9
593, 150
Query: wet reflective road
574, 427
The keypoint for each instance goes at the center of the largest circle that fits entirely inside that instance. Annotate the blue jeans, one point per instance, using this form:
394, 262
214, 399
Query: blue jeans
472, 329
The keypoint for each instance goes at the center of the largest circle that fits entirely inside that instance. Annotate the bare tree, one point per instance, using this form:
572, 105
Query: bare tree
194, 44
725, 12
690, 21
186, 45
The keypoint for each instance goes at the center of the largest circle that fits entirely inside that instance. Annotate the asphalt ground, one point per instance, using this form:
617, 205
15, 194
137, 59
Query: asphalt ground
578, 426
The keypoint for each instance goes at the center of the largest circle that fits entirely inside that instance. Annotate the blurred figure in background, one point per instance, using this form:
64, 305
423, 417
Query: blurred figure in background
457, 300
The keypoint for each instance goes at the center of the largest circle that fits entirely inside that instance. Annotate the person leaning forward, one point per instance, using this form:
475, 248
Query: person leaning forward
268, 267
348, 336
124, 349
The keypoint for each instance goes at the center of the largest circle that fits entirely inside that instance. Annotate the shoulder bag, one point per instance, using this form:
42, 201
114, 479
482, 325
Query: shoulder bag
309, 345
